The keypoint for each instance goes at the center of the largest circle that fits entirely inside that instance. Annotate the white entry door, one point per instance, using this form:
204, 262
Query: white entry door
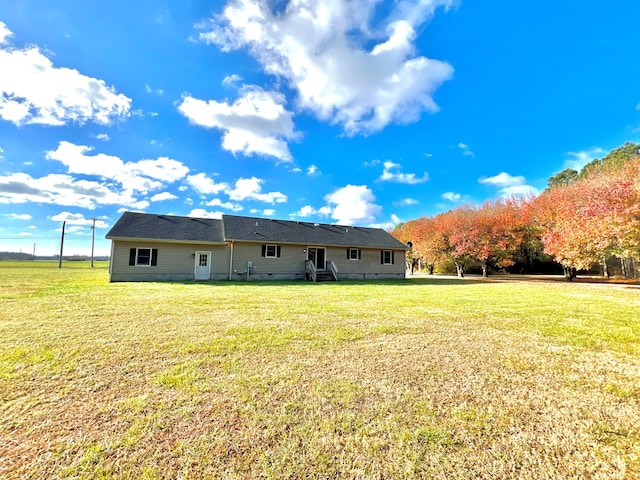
203, 266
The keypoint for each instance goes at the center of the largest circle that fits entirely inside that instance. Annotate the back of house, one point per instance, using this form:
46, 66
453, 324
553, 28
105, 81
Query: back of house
150, 247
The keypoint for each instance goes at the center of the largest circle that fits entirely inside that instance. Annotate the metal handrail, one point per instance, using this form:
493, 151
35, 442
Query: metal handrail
311, 269
334, 269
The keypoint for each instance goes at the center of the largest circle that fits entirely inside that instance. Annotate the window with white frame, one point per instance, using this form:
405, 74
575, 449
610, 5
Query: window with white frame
386, 257
143, 257
270, 251
354, 254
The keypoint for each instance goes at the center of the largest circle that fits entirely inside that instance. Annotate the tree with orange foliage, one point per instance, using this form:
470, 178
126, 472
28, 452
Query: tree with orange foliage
427, 242
591, 219
404, 233
490, 234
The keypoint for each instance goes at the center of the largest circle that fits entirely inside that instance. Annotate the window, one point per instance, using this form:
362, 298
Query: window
386, 257
203, 260
271, 251
143, 257
354, 254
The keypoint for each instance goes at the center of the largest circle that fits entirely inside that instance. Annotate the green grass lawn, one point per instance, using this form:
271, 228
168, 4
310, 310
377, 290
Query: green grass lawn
424, 378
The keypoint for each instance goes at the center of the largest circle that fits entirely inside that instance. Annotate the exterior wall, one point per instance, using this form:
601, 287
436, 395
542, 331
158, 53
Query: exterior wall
291, 263
368, 266
175, 262
289, 266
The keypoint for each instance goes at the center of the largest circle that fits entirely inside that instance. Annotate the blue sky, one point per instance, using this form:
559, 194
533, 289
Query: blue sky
356, 112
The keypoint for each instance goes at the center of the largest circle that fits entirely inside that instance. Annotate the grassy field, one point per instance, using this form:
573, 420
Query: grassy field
423, 378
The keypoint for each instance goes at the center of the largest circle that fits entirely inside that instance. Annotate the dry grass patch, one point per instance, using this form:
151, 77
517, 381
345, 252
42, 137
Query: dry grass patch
415, 379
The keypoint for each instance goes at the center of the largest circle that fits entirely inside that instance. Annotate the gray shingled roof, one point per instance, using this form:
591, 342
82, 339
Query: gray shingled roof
249, 229
167, 227
265, 230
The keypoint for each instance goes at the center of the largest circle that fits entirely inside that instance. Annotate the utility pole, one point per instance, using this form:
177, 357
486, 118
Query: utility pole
61, 245
93, 239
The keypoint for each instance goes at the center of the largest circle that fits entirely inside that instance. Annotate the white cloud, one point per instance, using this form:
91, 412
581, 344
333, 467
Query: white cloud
5, 33
202, 213
140, 176
63, 190
33, 90
77, 219
503, 179
353, 204
581, 158
452, 197
1, 153
389, 225
204, 185
243, 189
158, 91
231, 80
269, 212
256, 123
103, 136
390, 175
519, 190
466, 151
308, 211
312, 170
162, 168
160, 197
251, 189
510, 185
22, 216
344, 70
216, 202
120, 182
405, 202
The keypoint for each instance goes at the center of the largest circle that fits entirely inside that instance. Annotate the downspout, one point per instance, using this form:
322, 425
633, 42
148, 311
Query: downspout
231, 262
111, 261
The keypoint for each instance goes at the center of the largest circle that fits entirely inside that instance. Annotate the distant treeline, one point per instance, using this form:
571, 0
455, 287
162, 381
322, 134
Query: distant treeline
19, 256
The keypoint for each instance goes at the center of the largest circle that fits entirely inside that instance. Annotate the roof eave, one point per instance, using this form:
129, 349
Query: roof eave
319, 244
162, 240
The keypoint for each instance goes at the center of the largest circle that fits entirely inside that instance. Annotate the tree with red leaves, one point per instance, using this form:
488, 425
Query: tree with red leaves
490, 234
591, 219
